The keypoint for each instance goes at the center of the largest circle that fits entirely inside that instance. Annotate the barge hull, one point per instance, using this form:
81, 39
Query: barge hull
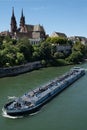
51, 96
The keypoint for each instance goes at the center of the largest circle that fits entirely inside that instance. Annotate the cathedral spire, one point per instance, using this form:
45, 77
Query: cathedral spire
22, 13
22, 19
13, 12
13, 22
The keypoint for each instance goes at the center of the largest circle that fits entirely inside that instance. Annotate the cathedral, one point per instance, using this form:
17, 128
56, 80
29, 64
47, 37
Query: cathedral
35, 33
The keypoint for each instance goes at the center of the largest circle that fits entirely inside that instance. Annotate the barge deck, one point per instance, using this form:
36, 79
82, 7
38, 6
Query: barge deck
33, 100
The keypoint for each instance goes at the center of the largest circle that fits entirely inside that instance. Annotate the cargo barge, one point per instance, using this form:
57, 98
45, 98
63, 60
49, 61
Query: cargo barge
33, 100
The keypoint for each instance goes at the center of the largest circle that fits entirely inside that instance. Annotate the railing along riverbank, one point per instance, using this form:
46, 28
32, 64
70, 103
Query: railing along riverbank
16, 70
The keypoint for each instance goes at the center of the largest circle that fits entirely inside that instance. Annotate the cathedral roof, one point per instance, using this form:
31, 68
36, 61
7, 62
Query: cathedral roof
38, 28
29, 27
34, 28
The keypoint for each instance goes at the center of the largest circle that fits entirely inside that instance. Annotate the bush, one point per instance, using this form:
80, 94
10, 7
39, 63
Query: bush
7, 65
43, 62
61, 62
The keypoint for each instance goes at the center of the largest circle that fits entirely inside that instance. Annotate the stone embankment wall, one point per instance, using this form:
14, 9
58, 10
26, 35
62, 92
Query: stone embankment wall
11, 71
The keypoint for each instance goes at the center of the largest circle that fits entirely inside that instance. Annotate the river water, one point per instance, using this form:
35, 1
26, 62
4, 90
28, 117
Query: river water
67, 111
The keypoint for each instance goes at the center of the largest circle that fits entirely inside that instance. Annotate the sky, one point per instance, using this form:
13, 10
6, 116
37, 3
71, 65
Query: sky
65, 16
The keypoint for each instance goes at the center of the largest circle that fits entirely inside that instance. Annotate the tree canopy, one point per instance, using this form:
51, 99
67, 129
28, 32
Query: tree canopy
16, 52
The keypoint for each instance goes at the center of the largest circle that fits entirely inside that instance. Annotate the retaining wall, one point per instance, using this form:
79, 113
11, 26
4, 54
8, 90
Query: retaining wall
11, 71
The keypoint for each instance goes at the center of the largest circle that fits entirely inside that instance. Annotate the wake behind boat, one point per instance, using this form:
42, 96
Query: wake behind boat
32, 101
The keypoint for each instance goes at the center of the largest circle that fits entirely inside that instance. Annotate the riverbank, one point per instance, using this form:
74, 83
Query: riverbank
67, 111
16, 70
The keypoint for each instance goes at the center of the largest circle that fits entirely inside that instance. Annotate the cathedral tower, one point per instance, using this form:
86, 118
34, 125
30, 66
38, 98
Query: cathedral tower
22, 20
13, 22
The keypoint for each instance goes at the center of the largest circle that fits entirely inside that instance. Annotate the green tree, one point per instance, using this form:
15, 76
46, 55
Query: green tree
45, 50
36, 52
85, 51
7, 38
78, 46
57, 40
53, 49
75, 57
58, 55
26, 48
20, 58
8, 53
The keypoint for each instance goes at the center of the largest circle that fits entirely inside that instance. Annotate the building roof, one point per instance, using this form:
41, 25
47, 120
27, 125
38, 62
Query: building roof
34, 28
4, 33
58, 34
38, 28
29, 27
